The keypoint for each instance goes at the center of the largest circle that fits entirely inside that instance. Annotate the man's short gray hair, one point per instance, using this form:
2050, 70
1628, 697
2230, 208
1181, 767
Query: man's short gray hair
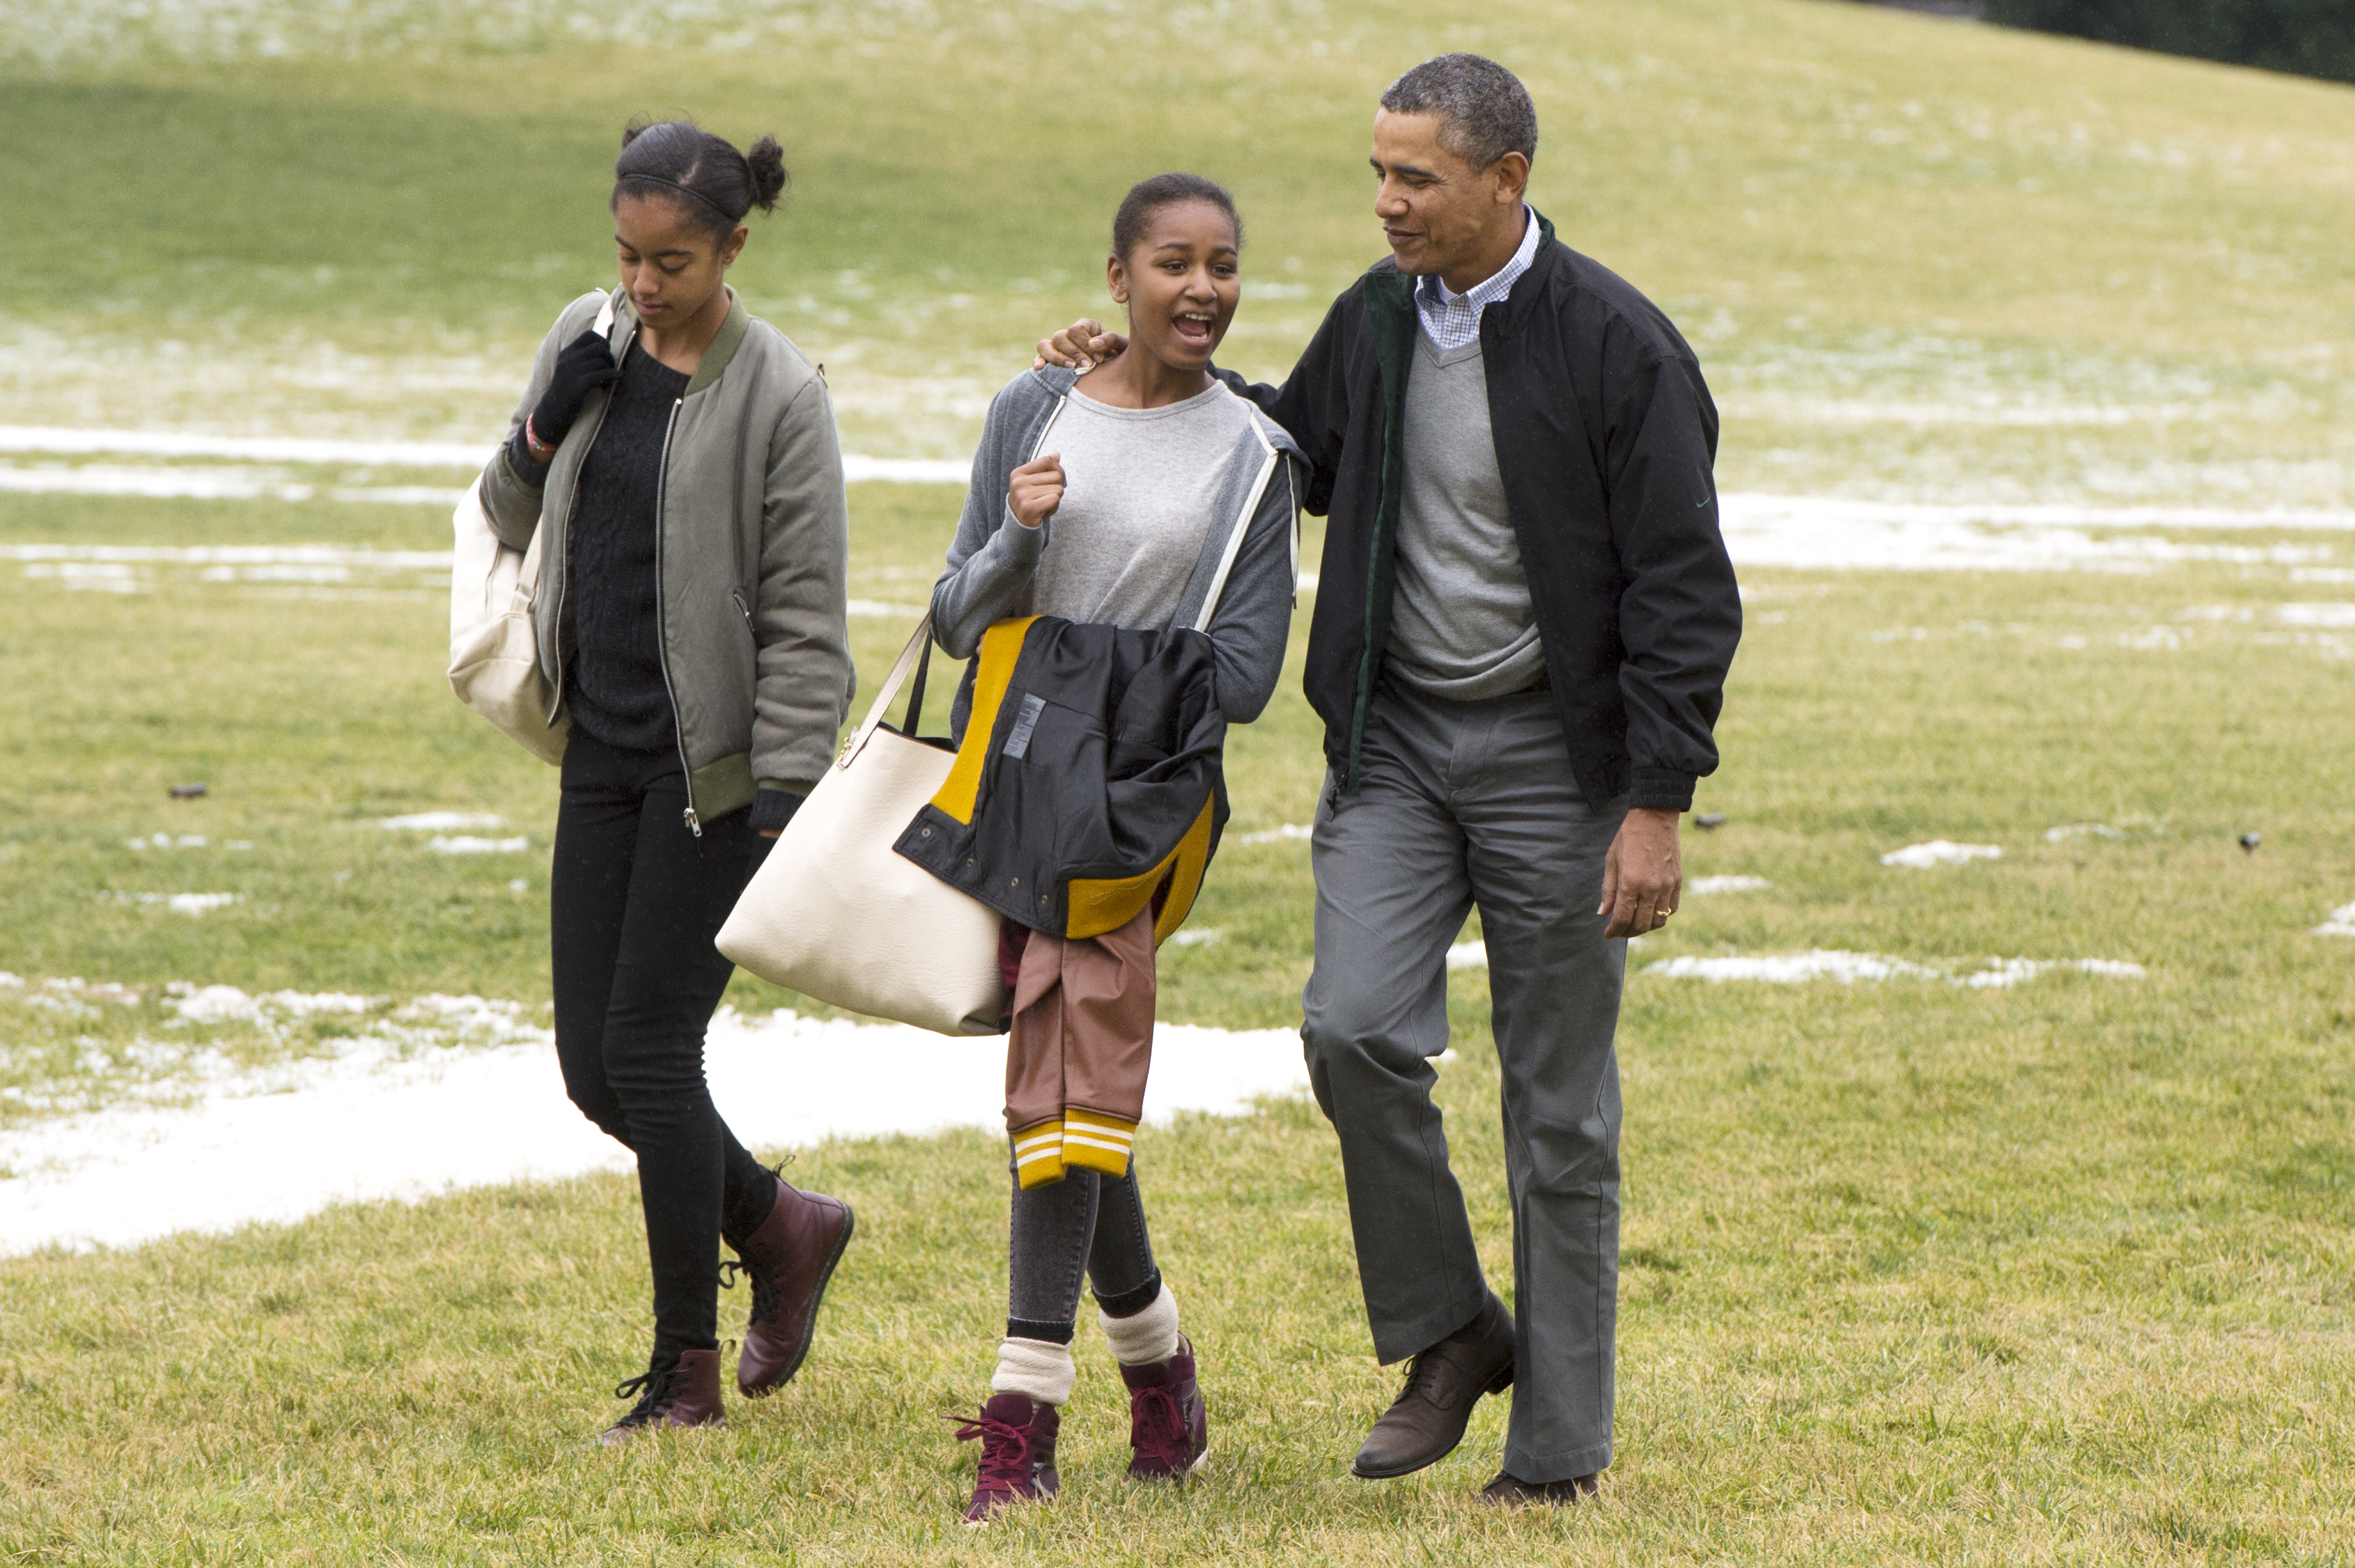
1486, 109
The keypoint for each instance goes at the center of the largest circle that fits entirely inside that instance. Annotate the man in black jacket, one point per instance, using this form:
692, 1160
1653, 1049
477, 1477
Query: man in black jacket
1523, 631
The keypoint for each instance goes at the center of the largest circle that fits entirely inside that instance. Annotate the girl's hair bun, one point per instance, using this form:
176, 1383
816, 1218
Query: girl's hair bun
680, 162
767, 163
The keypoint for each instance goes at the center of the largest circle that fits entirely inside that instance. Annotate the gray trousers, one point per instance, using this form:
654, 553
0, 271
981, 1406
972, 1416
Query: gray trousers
1466, 804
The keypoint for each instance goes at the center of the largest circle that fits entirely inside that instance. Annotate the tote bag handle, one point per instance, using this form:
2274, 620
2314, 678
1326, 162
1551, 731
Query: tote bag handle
916, 657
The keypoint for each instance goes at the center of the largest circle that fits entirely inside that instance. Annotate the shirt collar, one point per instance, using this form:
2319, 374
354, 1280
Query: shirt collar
1494, 287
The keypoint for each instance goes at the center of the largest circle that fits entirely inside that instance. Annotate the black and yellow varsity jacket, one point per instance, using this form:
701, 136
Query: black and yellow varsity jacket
1089, 776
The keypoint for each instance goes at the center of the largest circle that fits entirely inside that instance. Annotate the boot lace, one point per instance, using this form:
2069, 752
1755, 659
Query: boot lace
765, 1297
653, 1388
1004, 1449
1157, 1427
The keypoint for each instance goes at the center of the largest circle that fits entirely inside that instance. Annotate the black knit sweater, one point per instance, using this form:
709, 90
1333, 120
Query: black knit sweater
613, 681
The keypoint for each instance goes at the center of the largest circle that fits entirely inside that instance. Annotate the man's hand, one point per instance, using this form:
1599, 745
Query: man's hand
1643, 875
1036, 489
1082, 346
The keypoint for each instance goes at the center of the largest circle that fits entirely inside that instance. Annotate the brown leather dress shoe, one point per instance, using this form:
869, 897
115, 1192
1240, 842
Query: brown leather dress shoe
1508, 1491
685, 1393
1426, 1421
789, 1259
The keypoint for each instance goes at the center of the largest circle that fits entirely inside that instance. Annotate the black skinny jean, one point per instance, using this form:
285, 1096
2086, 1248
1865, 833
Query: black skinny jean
634, 901
1087, 1222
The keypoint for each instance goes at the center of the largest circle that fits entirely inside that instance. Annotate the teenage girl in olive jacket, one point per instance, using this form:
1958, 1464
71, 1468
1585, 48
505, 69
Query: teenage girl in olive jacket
690, 608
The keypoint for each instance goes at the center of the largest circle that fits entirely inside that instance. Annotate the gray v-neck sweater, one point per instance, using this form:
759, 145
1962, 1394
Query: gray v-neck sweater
1461, 625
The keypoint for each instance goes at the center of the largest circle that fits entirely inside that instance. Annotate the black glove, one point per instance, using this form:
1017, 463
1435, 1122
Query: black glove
585, 365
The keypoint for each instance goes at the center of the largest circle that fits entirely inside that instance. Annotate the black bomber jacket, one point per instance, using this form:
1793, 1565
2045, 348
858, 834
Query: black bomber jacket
1606, 439
1088, 785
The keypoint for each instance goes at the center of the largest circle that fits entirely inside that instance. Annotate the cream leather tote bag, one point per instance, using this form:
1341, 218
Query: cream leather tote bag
837, 914
494, 658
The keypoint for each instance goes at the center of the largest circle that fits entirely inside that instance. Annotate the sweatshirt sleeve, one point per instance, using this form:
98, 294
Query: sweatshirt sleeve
1253, 621
1313, 406
1680, 610
512, 482
803, 671
993, 556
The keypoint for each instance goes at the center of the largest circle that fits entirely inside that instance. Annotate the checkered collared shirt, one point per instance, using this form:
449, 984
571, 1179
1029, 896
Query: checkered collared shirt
1451, 321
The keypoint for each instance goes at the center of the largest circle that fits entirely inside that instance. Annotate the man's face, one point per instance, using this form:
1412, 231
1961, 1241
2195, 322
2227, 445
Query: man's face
1437, 211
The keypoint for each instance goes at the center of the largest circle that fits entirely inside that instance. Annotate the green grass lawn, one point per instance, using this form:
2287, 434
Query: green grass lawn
2057, 1272
1915, 1271
1917, 258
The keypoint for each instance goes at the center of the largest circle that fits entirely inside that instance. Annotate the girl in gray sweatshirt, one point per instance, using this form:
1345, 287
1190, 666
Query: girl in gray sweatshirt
1140, 494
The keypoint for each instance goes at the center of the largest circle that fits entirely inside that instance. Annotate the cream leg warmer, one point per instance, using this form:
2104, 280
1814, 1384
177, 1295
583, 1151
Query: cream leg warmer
1033, 1367
1147, 1337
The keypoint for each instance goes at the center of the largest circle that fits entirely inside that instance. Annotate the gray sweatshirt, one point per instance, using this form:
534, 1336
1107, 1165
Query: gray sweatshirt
1239, 591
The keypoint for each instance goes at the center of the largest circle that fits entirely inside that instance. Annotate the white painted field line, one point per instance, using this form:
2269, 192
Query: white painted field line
367, 1126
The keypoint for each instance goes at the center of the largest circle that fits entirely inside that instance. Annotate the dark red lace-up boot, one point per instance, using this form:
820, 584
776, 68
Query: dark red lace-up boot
685, 1393
1169, 1426
1018, 1454
789, 1258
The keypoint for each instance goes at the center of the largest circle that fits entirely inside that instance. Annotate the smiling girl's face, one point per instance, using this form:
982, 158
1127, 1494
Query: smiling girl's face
672, 264
1180, 282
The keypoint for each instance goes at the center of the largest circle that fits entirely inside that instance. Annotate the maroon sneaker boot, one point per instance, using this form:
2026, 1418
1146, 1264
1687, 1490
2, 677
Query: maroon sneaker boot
1018, 1454
685, 1393
789, 1258
1169, 1427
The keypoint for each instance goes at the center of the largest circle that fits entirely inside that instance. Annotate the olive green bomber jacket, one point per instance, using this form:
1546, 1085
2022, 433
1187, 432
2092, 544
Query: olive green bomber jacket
752, 559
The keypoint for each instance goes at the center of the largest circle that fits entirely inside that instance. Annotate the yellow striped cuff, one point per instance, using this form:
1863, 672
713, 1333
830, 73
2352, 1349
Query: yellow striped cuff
1092, 1141
1038, 1154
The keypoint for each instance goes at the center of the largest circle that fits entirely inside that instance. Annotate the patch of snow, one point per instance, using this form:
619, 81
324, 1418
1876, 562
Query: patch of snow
1468, 955
375, 1123
1940, 852
441, 821
465, 844
2340, 924
1704, 887
66, 442
2315, 615
1792, 968
1290, 830
223, 1004
2125, 828
1847, 968
2006, 972
166, 841
180, 904
1839, 534
904, 471
1198, 937
881, 608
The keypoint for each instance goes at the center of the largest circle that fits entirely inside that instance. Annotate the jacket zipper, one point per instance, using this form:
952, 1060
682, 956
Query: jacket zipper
564, 560
662, 629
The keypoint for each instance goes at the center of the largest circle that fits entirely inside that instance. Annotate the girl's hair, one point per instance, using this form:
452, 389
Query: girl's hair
698, 172
1148, 196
